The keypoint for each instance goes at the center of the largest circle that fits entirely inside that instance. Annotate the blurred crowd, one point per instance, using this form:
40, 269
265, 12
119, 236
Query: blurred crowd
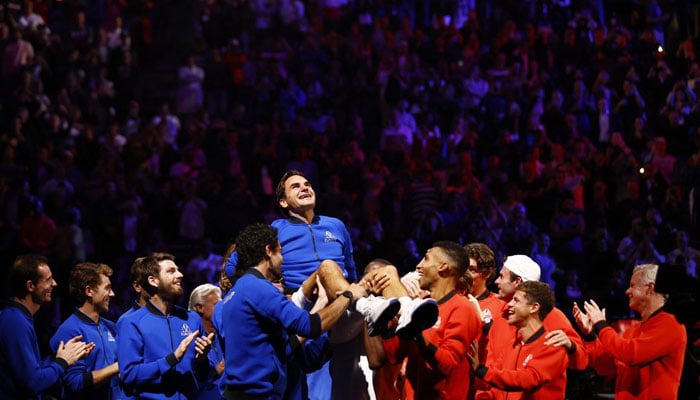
565, 130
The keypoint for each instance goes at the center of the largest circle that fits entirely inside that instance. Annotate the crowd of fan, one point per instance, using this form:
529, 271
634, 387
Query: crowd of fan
570, 132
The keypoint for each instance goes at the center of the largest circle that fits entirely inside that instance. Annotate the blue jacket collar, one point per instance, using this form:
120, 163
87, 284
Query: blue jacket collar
176, 311
296, 220
83, 317
21, 307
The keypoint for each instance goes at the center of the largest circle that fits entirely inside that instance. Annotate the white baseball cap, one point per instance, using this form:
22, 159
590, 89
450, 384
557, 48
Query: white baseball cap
523, 266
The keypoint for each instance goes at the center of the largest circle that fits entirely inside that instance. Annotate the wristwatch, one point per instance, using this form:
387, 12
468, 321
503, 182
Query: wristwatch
349, 295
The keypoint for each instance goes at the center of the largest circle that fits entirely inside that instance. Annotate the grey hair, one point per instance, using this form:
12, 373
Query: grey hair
200, 293
648, 272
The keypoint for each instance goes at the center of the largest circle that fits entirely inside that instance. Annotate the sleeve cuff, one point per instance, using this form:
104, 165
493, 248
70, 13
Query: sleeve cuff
573, 349
600, 325
171, 359
481, 371
591, 337
63, 363
315, 326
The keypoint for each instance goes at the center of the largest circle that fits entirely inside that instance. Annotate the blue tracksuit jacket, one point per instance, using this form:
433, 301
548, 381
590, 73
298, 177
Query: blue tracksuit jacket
148, 366
257, 319
77, 379
301, 358
304, 246
23, 374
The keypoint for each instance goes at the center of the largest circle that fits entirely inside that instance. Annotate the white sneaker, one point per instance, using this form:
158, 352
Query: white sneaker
377, 311
416, 316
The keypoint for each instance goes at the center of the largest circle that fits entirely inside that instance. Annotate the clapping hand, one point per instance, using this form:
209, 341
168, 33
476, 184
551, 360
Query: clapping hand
202, 344
582, 320
595, 314
74, 349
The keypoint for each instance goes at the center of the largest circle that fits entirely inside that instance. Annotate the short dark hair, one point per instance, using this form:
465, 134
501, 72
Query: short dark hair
250, 245
84, 275
151, 267
279, 191
485, 258
540, 293
136, 270
456, 253
25, 268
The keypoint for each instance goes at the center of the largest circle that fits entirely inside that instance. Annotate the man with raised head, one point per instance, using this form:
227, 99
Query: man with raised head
23, 371
95, 376
647, 358
307, 239
529, 367
155, 352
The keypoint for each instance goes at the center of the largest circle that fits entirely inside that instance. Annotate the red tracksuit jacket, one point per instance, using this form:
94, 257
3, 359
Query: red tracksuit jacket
441, 370
529, 370
647, 357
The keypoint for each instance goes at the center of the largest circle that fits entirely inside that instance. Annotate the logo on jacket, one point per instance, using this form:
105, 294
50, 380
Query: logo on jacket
487, 316
110, 338
330, 238
527, 360
185, 331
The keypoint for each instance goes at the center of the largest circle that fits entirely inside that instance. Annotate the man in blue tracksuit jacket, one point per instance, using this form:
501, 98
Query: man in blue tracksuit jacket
156, 355
258, 319
95, 376
23, 373
301, 357
307, 239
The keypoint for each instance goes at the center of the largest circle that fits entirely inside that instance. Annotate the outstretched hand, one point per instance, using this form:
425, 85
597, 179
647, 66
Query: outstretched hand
582, 320
411, 281
595, 314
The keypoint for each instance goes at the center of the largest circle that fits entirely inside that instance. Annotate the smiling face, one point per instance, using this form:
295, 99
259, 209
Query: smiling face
428, 268
42, 289
101, 294
638, 292
299, 196
520, 309
169, 280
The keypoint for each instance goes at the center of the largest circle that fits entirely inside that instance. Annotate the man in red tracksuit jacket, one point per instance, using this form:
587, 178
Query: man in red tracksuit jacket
482, 269
530, 368
516, 270
437, 366
648, 357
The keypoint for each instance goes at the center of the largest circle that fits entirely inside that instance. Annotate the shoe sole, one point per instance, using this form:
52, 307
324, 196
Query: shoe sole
422, 318
387, 315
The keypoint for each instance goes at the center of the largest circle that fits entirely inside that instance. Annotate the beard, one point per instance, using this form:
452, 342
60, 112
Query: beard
169, 291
